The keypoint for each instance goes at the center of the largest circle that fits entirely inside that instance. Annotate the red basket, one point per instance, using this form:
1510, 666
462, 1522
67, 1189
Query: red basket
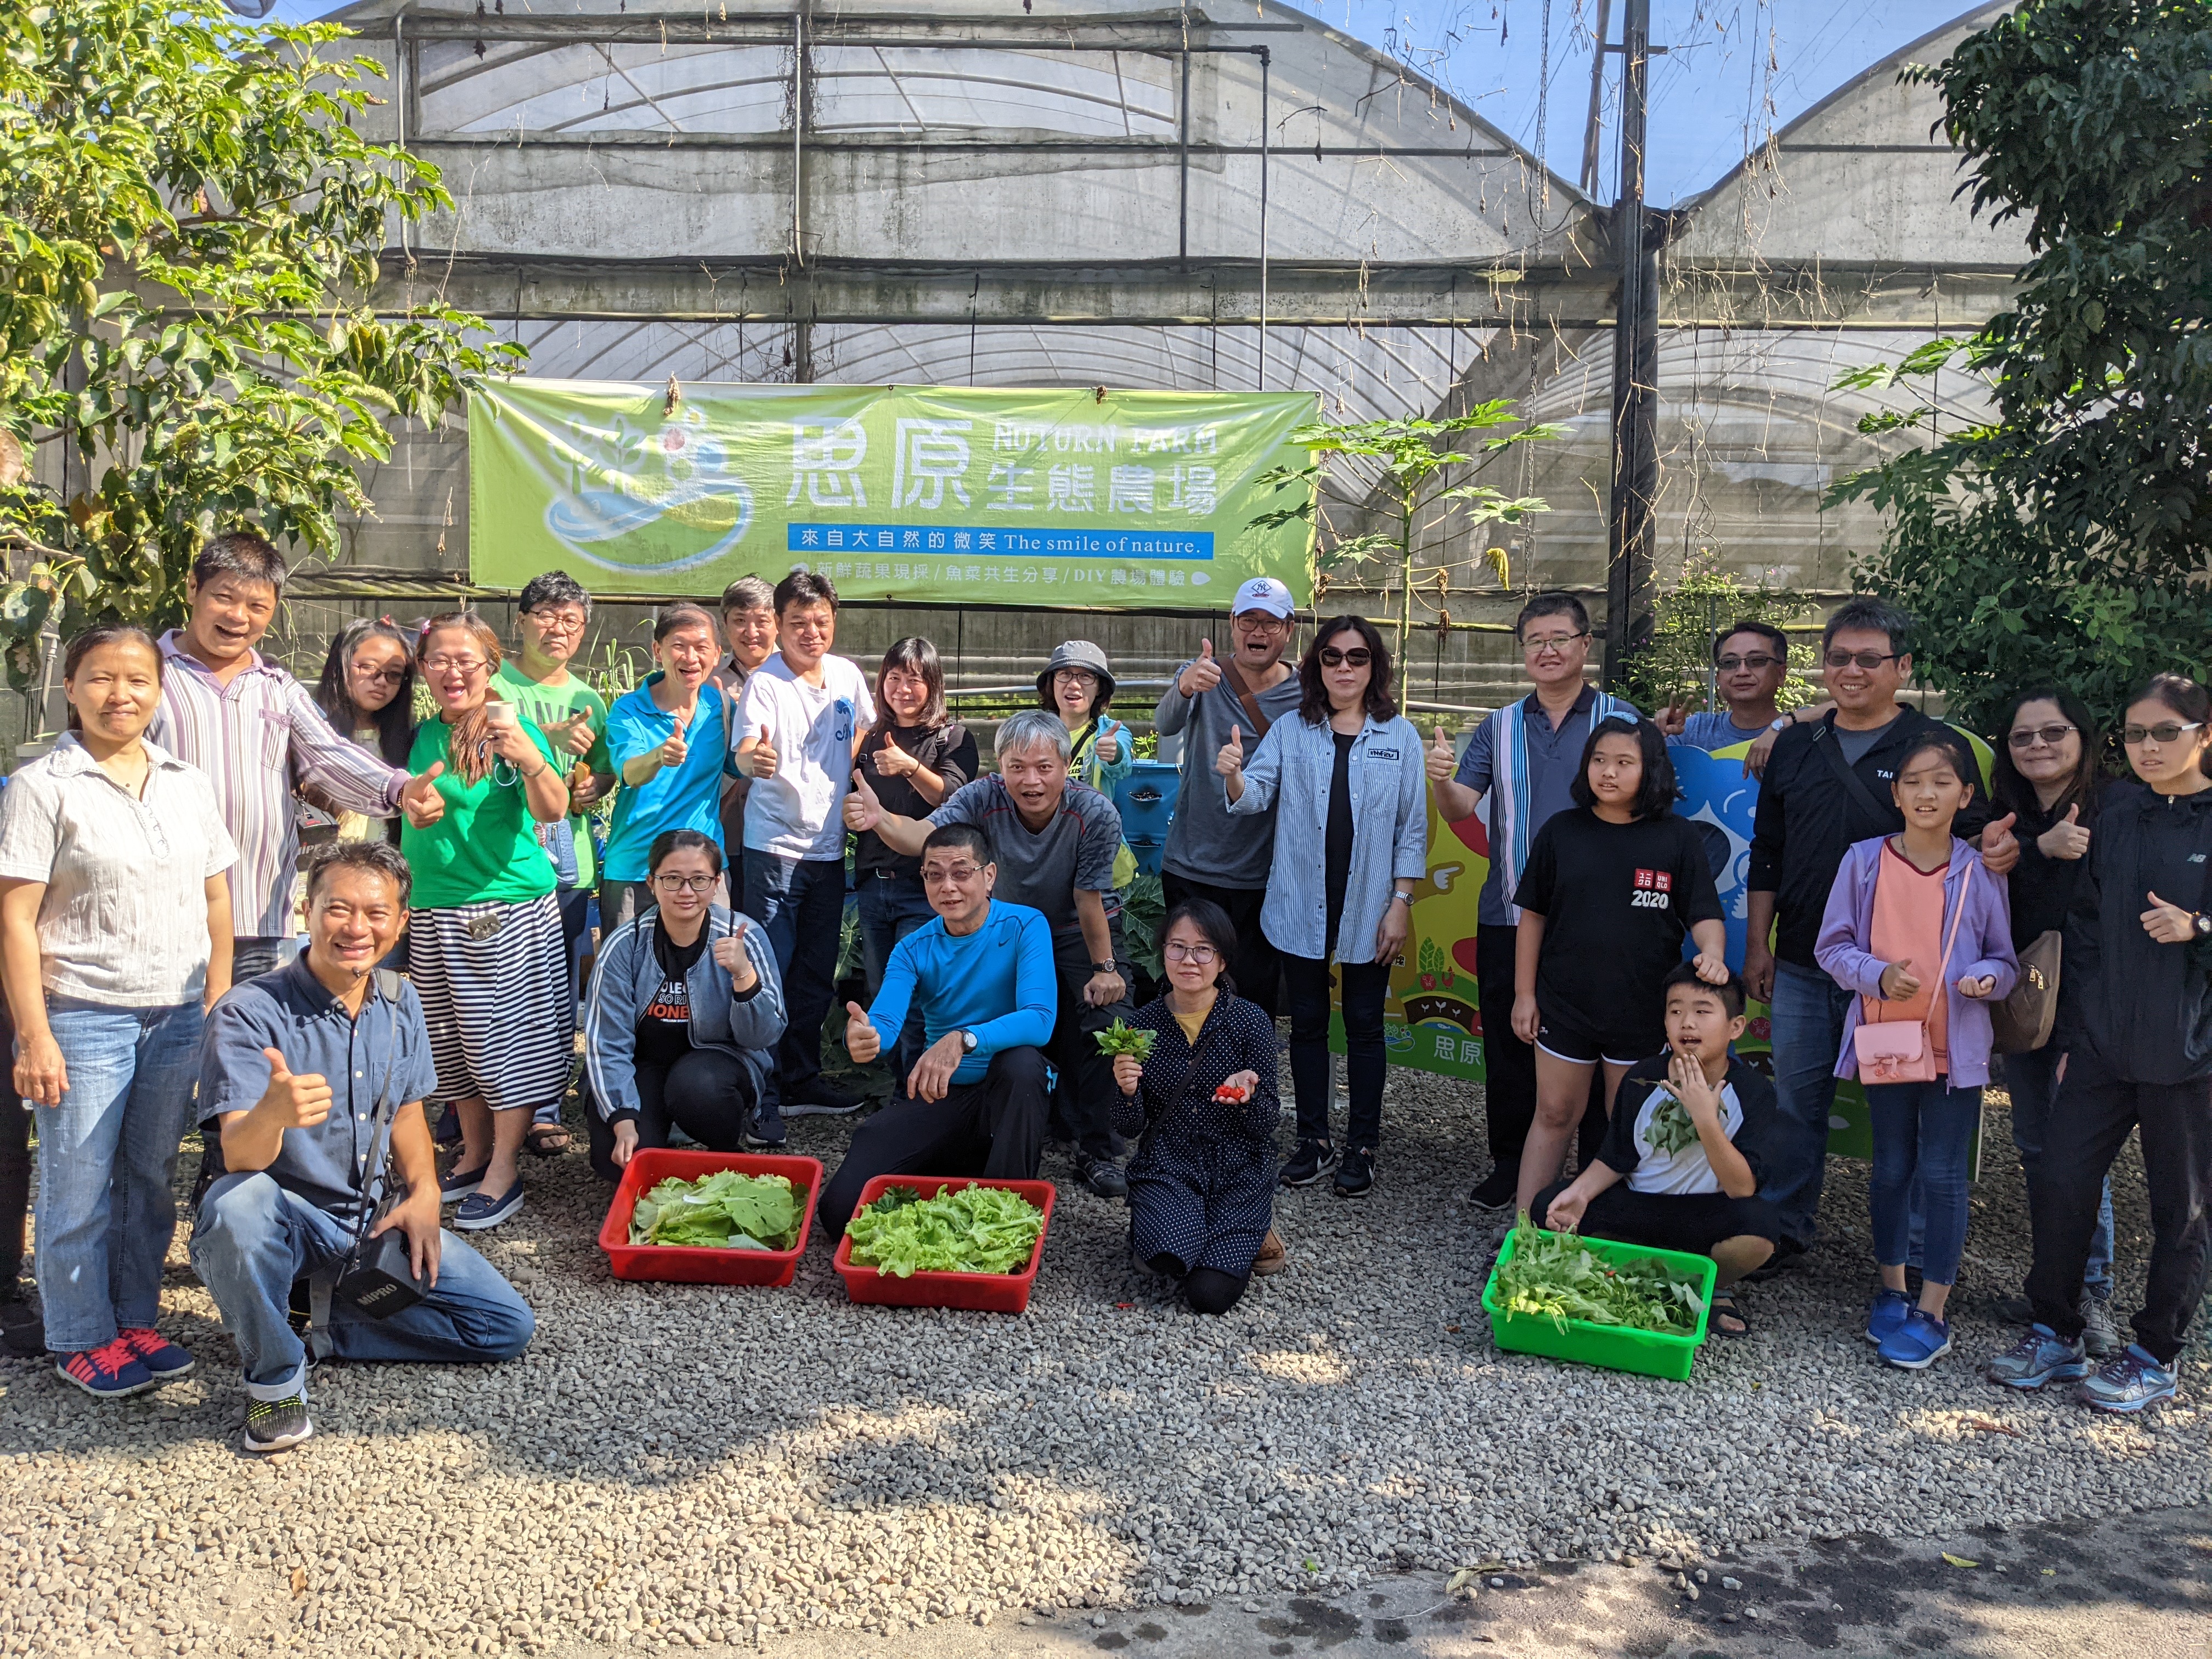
982, 1292
693, 1264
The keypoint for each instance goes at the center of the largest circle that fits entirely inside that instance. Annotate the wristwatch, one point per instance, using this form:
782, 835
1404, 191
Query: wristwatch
1781, 721
967, 1042
2202, 924
1104, 967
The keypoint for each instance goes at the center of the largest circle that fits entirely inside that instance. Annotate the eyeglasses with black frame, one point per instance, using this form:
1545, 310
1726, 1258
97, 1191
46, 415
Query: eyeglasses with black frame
1866, 659
672, 883
2028, 736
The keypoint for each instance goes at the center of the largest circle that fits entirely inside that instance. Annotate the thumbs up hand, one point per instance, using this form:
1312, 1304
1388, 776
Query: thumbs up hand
1898, 984
2067, 839
735, 960
1230, 762
2000, 849
762, 758
862, 1042
674, 751
2169, 924
863, 811
1440, 762
419, 799
294, 1102
573, 734
1203, 674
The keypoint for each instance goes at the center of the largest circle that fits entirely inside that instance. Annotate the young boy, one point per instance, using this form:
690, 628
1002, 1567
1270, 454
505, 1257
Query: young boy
1691, 1185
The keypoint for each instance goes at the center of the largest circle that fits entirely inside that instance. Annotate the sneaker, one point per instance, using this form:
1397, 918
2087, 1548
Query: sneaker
454, 1185
1355, 1176
2128, 1383
109, 1371
764, 1129
161, 1357
1887, 1316
275, 1425
1916, 1343
1273, 1257
1498, 1188
823, 1098
1312, 1160
480, 1212
2099, 1335
2037, 1358
1103, 1176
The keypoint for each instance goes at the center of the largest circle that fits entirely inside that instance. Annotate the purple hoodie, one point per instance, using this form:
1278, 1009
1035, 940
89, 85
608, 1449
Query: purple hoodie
1984, 948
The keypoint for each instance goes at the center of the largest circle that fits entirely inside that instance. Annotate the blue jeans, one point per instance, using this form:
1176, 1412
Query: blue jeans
107, 1157
1807, 1019
889, 910
1923, 1134
253, 1239
800, 903
2030, 1079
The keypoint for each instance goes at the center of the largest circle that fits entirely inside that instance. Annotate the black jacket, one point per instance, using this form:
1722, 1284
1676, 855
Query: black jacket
2142, 1008
1807, 817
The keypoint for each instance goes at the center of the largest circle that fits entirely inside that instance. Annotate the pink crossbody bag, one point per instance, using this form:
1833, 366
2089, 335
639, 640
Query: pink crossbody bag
1900, 1050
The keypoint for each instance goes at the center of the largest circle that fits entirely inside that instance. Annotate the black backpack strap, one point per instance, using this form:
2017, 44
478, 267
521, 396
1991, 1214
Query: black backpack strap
1823, 739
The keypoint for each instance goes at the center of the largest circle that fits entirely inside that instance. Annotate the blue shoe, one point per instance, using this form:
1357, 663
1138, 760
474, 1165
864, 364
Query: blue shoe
2037, 1358
480, 1212
1886, 1317
2127, 1384
765, 1127
455, 1185
109, 1371
1916, 1343
163, 1359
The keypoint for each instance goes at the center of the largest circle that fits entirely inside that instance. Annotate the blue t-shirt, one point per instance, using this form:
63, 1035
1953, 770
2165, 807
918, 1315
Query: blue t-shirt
687, 797
1713, 729
997, 981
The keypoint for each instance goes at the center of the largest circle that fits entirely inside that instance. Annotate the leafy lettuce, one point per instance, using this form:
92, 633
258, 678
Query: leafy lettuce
1554, 1276
725, 1211
973, 1230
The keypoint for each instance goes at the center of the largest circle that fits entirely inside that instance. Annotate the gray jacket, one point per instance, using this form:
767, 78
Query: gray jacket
623, 979
1203, 846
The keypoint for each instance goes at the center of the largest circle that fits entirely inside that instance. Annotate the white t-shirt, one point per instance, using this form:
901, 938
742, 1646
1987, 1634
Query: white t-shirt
799, 812
1685, 1168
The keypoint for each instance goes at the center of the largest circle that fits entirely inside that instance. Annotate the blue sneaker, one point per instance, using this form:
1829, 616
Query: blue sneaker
2037, 1358
1916, 1343
109, 1371
765, 1127
2127, 1384
1886, 1317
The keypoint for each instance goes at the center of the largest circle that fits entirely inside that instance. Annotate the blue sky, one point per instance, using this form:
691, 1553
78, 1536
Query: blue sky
1735, 68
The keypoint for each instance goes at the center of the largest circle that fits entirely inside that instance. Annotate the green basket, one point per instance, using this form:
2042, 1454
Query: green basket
1649, 1353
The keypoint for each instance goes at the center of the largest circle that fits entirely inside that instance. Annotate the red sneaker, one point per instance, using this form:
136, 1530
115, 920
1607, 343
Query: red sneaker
161, 1357
109, 1371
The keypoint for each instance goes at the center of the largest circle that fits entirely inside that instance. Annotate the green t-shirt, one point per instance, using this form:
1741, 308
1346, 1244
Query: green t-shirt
549, 705
486, 847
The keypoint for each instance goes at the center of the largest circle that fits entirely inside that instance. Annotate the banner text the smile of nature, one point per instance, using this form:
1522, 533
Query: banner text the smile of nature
920, 494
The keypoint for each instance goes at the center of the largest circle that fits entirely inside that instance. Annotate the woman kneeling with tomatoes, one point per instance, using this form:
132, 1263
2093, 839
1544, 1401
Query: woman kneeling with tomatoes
1201, 1185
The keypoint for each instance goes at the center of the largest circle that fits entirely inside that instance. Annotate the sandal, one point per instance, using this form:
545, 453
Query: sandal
1720, 1307
547, 1140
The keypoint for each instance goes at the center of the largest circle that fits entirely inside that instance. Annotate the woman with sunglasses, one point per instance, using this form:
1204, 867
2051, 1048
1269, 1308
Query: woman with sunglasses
2046, 773
2134, 1040
1352, 838
684, 1014
367, 692
1201, 1185
483, 926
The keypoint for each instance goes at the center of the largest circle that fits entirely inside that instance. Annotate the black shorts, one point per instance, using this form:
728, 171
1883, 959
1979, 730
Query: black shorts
1565, 1033
1692, 1222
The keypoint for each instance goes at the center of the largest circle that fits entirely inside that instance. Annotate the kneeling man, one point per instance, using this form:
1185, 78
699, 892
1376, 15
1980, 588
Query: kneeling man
982, 973
307, 1075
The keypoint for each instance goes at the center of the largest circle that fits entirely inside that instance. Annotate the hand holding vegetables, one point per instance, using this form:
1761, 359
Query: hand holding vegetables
1121, 1038
1238, 1088
1129, 1074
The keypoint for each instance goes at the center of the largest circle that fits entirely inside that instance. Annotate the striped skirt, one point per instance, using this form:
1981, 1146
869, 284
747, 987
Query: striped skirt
494, 982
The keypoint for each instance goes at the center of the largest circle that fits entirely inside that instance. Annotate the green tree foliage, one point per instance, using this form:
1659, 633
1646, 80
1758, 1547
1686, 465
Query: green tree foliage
1675, 665
2066, 538
1408, 476
189, 229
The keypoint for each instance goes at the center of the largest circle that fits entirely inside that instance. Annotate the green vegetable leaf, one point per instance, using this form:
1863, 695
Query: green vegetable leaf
1118, 1039
968, 1229
1556, 1276
725, 1211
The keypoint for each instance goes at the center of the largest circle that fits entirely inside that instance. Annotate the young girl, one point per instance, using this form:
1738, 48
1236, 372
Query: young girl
1924, 935
367, 692
1609, 890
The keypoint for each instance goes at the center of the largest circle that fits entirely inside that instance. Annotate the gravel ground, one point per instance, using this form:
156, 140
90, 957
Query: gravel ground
679, 1465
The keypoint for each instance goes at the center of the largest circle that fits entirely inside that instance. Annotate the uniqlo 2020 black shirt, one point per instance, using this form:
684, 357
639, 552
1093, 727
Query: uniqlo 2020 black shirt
1616, 900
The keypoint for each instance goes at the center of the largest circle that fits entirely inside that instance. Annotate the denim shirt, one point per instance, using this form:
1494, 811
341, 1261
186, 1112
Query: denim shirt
1389, 829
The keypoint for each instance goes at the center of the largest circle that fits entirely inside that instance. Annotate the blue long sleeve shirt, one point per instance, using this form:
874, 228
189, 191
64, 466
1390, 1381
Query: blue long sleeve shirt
997, 981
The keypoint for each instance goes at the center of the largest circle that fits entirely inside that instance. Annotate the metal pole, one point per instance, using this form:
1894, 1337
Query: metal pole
1635, 371
1594, 125
1265, 62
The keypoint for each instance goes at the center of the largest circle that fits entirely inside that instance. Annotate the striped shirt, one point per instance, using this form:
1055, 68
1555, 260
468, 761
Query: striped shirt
124, 920
257, 739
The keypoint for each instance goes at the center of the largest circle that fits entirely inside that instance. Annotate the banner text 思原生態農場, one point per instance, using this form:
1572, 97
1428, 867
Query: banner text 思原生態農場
917, 494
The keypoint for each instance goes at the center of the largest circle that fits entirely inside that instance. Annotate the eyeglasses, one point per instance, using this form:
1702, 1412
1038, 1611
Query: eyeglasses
381, 676
1358, 657
1757, 659
552, 623
2027, 735
1258, 621
954, 874
1555, 644
455, 665
1176, 951
686, 883
1863, 658
2164, 731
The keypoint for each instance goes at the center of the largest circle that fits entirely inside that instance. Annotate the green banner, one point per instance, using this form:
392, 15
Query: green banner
925, 494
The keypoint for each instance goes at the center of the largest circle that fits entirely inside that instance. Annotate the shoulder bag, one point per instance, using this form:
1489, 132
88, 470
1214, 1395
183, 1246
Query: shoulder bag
2021, 1023
1900, 1050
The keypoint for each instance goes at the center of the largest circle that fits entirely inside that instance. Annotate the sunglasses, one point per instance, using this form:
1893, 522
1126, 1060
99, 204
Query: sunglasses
2164, 731
1358, 657
1757, 659
2025, 738
1864, 659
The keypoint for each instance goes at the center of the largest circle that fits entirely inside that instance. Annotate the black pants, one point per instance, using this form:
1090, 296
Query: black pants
993, 1128
1086, 1091
2088, 1124
1509, 1065
1692, 1222
1258, 966
707, 1094
1366, 986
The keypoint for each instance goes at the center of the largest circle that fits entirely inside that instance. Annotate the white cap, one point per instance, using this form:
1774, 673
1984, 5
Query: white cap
1263, 594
